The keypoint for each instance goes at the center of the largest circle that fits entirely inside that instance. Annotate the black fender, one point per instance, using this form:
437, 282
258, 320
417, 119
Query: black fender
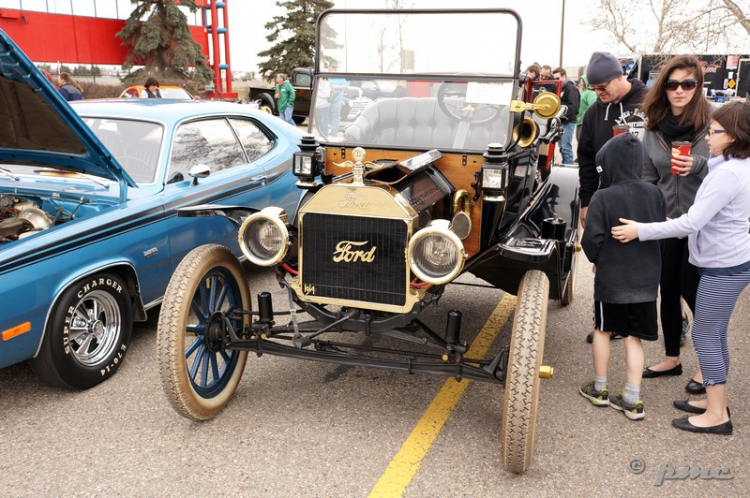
235, 214
522, 247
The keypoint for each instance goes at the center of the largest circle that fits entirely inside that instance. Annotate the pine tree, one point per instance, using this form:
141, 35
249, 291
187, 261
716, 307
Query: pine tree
294, 34
158, 34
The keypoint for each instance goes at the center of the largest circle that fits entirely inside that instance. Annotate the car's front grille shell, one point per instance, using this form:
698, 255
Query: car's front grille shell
380, 281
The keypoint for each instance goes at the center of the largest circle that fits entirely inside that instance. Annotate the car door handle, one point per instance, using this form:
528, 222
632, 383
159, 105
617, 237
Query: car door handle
259, 178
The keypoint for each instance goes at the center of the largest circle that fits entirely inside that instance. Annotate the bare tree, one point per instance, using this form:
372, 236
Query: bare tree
664, 26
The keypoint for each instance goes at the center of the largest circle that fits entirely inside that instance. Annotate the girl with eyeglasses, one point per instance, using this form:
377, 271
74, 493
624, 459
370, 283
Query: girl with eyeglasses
676, 111
718, 229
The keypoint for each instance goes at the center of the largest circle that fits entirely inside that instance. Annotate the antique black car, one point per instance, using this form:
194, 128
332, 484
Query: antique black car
442, 178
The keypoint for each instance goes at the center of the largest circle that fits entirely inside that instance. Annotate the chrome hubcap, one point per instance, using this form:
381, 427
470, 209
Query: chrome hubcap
95, 328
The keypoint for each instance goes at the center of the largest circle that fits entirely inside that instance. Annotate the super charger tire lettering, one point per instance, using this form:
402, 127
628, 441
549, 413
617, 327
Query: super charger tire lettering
87, 334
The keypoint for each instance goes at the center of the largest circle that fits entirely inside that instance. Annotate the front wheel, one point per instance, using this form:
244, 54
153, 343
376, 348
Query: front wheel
88, 333
518, 428
205, 297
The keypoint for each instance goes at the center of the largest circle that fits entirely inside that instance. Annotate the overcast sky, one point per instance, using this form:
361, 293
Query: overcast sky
541, 28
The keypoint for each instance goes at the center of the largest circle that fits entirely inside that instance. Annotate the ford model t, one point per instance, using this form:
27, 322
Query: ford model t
442, 177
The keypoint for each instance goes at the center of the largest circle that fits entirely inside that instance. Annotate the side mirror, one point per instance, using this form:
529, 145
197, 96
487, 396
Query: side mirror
199, 171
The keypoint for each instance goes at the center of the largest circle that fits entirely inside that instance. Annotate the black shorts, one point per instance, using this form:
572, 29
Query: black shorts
636, 319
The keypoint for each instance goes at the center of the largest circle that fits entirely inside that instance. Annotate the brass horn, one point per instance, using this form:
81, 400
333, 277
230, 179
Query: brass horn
525, 132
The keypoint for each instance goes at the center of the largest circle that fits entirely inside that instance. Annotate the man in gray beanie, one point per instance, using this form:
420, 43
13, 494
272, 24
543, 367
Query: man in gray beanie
616, 110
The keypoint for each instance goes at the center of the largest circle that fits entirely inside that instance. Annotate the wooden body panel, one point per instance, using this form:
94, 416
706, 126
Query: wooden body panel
451, 165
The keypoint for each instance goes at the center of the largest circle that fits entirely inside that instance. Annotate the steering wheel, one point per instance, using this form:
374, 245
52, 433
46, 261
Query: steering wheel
460, 110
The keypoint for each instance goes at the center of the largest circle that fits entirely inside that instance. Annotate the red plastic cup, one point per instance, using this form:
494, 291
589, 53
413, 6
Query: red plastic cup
619, 129
680, 149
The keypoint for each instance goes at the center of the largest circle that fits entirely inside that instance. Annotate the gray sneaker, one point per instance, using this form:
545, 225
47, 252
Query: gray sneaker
634, 411
597, 398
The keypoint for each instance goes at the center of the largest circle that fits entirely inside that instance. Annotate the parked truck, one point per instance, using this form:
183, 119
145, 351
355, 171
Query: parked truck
301, 79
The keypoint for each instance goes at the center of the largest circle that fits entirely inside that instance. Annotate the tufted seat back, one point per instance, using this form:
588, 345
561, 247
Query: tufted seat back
420, 122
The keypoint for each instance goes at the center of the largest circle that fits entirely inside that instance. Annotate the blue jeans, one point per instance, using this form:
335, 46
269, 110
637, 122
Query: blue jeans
286, 115
336, 114
566, 142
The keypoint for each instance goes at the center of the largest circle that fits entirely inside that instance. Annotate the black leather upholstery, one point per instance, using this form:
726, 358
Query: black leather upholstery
420, 122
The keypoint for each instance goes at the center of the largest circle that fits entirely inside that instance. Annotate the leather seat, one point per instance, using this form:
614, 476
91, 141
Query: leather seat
419, 122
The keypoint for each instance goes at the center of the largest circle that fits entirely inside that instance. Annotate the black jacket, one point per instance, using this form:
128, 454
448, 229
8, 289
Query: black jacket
571, 97
596, 129
625, 273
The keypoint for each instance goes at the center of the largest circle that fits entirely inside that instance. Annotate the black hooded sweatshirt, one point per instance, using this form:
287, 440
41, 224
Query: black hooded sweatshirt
625, 273
596, 129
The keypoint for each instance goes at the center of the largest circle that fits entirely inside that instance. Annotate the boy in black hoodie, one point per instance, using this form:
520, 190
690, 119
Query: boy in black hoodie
627, 276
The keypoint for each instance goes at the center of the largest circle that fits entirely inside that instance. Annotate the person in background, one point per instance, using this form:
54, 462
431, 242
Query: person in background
152, 88
545, 72
69, 88
284, 98
676, 110
569, 97
617, 104
323, 108
627, 276
717, 227
532, 73
338, 85
588, 97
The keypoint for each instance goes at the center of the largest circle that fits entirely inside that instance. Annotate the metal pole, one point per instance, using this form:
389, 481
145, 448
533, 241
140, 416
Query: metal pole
562, 33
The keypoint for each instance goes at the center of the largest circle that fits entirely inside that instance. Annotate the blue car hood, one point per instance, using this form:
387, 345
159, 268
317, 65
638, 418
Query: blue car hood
38, 127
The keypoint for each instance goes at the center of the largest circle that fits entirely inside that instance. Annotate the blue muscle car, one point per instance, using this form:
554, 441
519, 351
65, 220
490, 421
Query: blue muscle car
89, 232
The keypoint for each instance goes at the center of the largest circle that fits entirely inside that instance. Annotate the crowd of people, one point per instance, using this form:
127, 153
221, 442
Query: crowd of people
665, 206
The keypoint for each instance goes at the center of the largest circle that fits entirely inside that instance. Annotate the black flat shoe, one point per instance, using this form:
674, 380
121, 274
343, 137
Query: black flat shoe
684, 425
683, 405
694, 387
651, 374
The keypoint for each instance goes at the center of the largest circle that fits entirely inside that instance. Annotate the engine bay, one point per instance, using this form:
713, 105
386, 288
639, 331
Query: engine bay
23, 216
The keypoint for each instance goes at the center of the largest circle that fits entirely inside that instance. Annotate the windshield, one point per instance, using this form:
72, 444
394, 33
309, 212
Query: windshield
426, 79
135, 144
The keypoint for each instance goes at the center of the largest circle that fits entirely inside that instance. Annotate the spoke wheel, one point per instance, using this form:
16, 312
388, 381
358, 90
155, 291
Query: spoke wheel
198, 373
518, 428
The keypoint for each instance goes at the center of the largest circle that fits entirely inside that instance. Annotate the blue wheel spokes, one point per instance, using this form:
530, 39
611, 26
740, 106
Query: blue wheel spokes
198, 343
197, 363
204, 368
217, 292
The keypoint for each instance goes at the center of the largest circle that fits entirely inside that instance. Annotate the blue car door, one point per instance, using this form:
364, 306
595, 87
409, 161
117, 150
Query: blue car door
236, 178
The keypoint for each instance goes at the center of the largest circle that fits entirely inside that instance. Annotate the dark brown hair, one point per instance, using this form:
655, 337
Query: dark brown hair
656, 104
560, 71
734, 118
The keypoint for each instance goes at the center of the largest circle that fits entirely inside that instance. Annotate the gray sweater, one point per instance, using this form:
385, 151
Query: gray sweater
717, 224
679, 191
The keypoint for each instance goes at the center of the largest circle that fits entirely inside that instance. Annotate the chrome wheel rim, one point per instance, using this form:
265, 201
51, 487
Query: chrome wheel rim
94, 328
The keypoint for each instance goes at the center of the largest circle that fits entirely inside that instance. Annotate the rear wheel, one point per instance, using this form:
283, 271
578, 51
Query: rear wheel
518, 428
203, 300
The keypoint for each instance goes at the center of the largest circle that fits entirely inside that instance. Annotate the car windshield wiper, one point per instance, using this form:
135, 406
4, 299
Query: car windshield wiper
7, 172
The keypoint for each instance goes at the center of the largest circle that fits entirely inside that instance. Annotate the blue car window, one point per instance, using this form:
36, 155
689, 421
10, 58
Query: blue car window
210, 142
256, 143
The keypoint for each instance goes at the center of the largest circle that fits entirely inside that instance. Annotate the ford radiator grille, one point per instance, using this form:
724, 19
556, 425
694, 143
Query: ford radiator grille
354, 258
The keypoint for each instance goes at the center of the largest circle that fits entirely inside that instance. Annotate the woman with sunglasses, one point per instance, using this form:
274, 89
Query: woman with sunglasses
717, 226
676, 111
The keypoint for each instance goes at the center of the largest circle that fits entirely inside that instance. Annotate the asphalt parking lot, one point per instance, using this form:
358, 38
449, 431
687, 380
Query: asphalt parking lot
311, 429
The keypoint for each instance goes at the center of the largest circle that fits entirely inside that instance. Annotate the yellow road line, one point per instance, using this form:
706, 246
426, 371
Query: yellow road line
405, 464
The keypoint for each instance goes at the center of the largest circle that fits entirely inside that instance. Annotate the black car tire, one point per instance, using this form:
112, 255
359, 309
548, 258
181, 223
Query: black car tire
518, 427
88, 333
211, 266
299, 119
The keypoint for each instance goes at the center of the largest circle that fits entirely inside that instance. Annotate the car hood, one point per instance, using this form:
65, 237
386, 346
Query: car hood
38, 127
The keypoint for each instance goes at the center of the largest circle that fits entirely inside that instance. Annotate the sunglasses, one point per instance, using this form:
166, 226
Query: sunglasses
712, 131
686, 85
600, 88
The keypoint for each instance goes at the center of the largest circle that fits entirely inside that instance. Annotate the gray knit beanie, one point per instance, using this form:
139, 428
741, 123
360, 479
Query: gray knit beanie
603, 67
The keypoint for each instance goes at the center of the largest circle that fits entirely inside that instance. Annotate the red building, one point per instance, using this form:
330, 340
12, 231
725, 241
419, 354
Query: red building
83, 32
